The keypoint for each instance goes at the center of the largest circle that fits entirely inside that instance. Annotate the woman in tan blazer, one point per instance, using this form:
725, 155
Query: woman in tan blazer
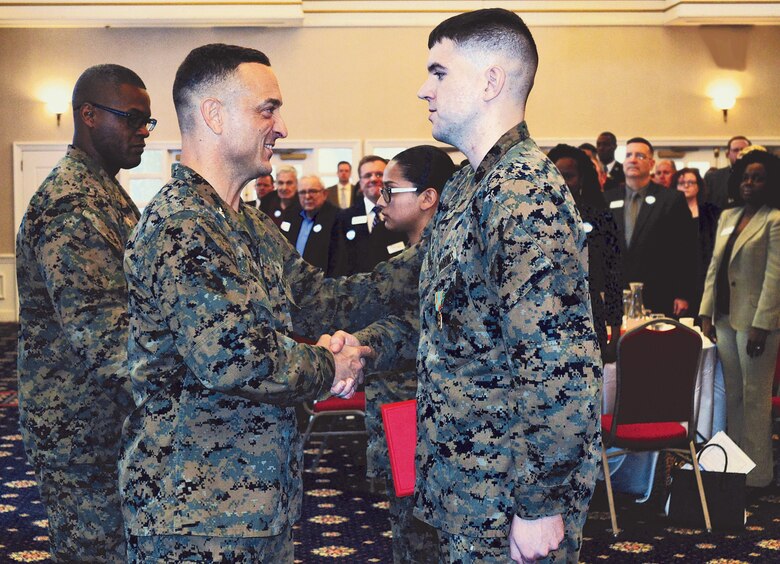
742, 296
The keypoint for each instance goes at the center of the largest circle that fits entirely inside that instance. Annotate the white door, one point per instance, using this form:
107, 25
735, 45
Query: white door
32, 164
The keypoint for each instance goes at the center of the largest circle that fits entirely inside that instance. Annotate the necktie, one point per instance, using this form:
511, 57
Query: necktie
344, 196
377, 219
633, 212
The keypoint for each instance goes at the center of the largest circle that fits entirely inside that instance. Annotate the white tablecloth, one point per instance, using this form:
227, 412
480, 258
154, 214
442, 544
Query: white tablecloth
633, 473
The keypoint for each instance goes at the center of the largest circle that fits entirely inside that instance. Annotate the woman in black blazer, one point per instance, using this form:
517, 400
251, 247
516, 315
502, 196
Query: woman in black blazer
704, 223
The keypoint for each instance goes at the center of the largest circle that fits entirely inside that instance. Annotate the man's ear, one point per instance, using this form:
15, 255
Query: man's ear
428, 198
495, 79
212, 111
87, 114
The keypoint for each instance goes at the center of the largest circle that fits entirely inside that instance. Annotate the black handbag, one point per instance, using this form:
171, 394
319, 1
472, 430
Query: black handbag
725, 493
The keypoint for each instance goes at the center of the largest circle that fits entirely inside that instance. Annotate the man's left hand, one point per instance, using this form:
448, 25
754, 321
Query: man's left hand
530, 540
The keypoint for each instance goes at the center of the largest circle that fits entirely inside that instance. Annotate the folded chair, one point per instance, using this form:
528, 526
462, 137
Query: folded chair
654, 410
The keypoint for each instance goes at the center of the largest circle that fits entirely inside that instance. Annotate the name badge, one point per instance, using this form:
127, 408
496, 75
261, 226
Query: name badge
317, 228
351, 234
360, 220
650, 200
277, 213
587, 227
285, 226
727, 231
395, 248
614, 204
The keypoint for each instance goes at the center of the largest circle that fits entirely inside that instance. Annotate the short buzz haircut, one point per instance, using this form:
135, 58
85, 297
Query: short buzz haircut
369, 159
493, 30
94, 80
204, 66
643, 141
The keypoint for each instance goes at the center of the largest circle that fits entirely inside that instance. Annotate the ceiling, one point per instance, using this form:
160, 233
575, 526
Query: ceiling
377, 13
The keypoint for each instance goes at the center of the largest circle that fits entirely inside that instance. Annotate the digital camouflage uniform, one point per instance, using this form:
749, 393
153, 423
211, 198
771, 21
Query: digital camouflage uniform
413, 540
213, 448
508, 394
74, 389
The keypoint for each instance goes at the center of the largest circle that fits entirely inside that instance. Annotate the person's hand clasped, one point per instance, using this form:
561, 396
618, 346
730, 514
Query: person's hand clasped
756, 342
530, 540
350, 357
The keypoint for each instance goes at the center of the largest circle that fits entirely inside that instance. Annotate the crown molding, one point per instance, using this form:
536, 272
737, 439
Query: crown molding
378, 13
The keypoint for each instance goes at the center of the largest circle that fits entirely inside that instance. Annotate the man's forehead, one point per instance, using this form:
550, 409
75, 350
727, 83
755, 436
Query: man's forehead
638, 148
261, 81
373, 165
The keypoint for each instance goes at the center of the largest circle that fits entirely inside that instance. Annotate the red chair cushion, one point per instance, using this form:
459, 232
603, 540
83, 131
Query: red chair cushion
645, 431
358, 401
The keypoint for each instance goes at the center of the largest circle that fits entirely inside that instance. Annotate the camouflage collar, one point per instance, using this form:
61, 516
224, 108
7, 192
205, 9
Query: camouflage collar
508, 140
206, 191
81, 156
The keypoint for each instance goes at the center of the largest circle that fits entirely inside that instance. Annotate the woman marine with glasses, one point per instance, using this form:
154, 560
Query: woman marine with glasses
413, 181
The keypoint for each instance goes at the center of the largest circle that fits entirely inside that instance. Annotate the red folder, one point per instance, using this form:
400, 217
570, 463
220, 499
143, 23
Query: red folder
400, 421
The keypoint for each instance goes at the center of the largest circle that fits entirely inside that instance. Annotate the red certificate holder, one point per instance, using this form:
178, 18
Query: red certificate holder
400, 422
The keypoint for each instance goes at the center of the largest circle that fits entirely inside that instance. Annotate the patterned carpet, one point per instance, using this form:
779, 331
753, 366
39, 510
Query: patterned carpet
344, 521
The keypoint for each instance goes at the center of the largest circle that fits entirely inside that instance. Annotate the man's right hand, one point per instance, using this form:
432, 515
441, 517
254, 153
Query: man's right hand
349, 364
708, 329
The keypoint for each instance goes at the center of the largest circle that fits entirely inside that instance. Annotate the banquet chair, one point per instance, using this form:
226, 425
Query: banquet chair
654, 409
335, 408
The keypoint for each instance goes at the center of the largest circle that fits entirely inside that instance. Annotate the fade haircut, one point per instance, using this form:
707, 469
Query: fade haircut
493, 30
425, 166
93, 81
644, 142
205, 66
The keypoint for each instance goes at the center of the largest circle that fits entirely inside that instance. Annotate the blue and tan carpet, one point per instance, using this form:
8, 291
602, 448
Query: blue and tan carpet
344, 521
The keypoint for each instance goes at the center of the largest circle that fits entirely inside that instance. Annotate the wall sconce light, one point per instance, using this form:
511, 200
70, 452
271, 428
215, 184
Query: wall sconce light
57, 108
56, 99
724, 103
724, 96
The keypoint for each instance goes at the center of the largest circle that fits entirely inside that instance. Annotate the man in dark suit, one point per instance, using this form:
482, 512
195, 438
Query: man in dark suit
362, 238
264, 185
285, 196
343, 194
654, 225
605, 149
309, 228
718, 180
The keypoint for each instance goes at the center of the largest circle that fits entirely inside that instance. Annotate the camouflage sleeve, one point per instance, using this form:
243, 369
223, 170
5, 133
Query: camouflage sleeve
545, 330
395, 340
388, 293
216, 303
81, 262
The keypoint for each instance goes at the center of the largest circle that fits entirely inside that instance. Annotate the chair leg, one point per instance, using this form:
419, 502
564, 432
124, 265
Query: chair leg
610, 498
309, 427
702, 497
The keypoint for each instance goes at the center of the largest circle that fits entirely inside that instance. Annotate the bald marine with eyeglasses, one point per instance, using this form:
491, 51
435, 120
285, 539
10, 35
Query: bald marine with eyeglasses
74, 385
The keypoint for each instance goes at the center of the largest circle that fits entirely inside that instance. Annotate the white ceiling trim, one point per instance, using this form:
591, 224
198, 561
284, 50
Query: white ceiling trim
377, 13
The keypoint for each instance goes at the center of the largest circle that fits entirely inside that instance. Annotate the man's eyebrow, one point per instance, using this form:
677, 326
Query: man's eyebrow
433, 67
273, 102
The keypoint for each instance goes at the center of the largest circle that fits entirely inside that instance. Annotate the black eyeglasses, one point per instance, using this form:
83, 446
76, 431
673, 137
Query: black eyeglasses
135, 119
388, 191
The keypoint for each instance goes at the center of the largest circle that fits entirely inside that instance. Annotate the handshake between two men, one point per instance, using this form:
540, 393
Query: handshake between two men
350, 358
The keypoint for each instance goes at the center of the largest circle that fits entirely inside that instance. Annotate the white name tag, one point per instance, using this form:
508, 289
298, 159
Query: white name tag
351, 234
587, 227
650, 200
360, 220
277, 213
395, 248
285, 226
727, 231
317, 228
616, 204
